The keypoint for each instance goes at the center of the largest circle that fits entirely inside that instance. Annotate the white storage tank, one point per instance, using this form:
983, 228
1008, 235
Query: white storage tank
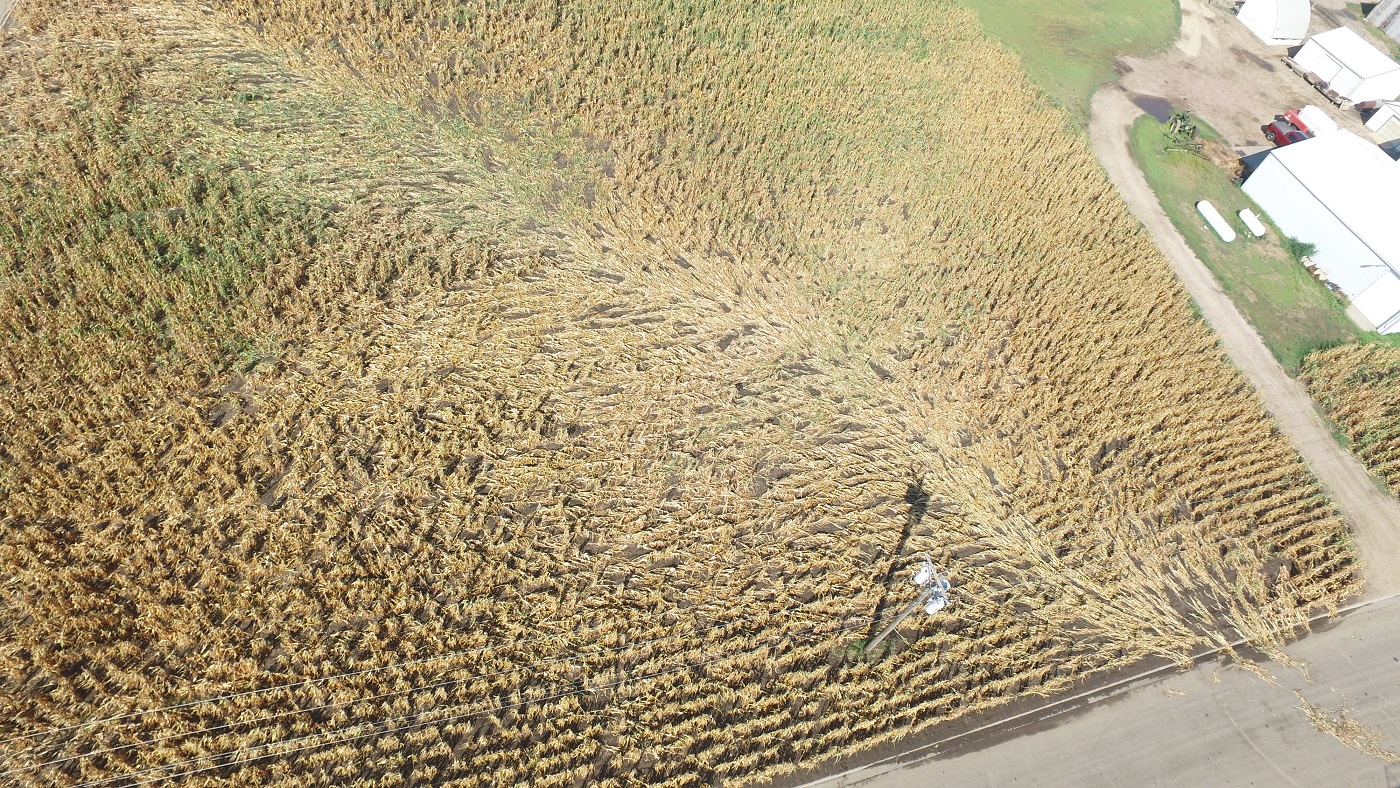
1251, 221
1217, 222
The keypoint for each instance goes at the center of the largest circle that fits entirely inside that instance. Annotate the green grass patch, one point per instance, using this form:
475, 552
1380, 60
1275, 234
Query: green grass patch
1293, 312
1069, 46
1355, 10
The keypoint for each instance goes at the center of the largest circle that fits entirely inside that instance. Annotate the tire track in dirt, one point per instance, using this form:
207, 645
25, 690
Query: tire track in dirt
1374, 516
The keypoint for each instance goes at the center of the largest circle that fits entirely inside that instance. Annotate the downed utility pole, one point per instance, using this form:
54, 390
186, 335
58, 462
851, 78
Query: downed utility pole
932, 599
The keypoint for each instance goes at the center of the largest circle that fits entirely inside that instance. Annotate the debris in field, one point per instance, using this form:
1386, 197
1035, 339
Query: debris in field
1352, 733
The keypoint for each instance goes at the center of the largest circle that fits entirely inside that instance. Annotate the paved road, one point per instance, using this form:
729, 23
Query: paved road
1373, 516
1210, 726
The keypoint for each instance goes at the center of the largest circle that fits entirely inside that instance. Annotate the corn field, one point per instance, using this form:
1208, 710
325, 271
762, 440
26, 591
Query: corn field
1359, 387
402, 392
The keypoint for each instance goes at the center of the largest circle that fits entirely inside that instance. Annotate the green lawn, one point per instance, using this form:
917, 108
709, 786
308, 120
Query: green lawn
1068, 46
1292, 312
1355, 9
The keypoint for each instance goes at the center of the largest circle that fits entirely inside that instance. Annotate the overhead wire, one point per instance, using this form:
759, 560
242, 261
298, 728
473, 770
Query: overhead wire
399, 729
410, 690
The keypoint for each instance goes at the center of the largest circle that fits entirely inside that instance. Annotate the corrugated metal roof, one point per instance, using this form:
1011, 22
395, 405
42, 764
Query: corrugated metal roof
1381, 303
1386, 16
1357, 182
1353, 51
1276, 21
1292, 17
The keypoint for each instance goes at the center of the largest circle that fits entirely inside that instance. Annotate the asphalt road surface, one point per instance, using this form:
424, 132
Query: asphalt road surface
1211, 726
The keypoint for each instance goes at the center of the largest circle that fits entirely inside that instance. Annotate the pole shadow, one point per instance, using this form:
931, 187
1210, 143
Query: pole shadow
918, 501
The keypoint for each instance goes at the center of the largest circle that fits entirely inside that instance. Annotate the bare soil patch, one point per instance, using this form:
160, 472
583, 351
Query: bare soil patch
1225, 75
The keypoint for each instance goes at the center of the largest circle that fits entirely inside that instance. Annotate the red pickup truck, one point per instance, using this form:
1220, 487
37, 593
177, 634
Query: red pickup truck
1281, 132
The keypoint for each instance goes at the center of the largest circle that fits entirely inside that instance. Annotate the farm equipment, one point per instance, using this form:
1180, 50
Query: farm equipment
1318, 83
1181, 133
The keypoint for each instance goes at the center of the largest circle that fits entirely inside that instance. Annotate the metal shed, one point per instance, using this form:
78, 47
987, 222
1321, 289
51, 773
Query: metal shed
1385, 120
1276, 22
1350, 65
1386, 16
1339, 193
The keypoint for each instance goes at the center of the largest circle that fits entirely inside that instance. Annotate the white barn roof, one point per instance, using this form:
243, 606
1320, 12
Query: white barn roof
1277, 21
1340, 192
1356, 181
1355, 53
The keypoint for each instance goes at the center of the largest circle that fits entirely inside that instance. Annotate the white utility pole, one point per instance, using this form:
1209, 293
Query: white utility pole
933, 598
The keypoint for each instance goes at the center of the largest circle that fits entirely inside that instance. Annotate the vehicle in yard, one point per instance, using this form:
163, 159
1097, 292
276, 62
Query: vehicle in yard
1311, 121
1281, 132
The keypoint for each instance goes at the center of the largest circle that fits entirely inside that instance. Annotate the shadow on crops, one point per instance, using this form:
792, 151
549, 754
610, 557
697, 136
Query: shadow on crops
918, 501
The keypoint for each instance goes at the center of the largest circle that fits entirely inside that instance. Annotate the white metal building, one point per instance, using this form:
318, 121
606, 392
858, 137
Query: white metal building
1385, 121
1350, 65
1340, 193
1386, 16
1276, 22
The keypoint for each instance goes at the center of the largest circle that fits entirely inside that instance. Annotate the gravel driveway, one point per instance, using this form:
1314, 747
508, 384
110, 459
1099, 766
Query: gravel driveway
1373, 516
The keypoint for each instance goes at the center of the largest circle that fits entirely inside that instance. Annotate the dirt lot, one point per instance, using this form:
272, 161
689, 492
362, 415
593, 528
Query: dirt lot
1232, 80
1221, 72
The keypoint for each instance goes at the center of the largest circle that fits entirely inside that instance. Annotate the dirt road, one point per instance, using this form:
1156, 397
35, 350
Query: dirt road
1373, 515
1234, 729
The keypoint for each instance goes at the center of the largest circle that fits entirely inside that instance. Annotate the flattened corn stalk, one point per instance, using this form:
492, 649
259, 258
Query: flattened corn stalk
359, 332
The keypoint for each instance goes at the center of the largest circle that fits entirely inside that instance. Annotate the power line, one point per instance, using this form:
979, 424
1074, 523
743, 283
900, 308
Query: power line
445, 720
395, 693
289, 686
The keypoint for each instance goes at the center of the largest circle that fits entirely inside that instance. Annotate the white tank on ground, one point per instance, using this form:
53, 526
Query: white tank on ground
1217, 222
